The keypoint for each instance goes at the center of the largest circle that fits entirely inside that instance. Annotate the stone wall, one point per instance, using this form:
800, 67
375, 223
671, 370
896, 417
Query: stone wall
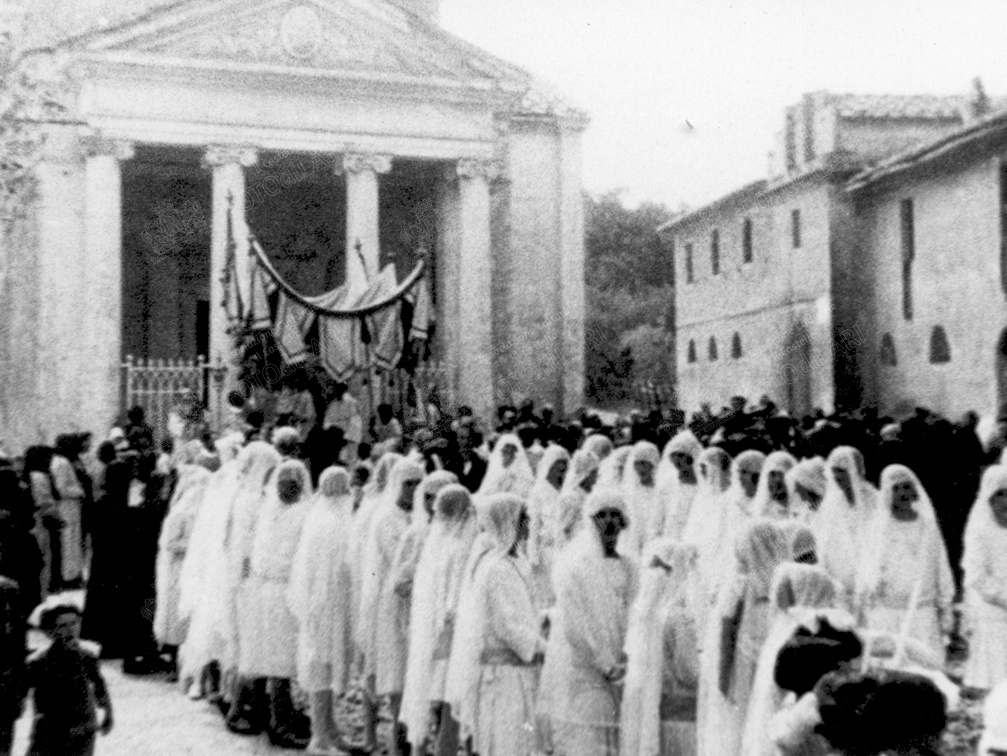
763, 301
956, 285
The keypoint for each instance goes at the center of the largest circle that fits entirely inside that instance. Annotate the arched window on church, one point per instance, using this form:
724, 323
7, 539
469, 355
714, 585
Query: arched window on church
711, 350
940, 349
736, 346
692, 351
888, 356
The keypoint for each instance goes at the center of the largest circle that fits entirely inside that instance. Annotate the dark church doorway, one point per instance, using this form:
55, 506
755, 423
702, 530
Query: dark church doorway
797, 371
166, 255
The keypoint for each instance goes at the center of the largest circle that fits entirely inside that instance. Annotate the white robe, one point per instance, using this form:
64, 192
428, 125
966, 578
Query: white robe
319, 597
985, 565
173, 543
586, 641
504, 708
273, 653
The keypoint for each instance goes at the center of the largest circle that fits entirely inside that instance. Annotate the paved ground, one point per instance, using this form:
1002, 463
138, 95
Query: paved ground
154, 718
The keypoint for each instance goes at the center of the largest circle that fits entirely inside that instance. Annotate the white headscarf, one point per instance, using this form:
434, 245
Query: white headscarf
714, 466
875, 557
405, 470
370, 503
319, 588
517, 478
278, 530
500, 515
645, 503
678, 496
543, 503
613, 467
802, 595
436, 589
763, 505
586, 584
809, 474
984, 537
582, 465
599, 445
842, 527
684, 441
662, 604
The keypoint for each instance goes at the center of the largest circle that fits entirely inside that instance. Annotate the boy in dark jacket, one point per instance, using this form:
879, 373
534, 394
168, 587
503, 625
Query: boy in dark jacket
68, 689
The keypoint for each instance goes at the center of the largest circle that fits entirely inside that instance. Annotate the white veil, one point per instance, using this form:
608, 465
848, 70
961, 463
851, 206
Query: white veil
762, 504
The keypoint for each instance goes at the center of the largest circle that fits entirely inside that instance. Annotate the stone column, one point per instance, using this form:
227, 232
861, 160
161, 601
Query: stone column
103, 253
475, 278
228, 164
571, 329
363, 242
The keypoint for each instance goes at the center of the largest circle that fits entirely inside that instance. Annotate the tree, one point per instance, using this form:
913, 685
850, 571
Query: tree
630, 295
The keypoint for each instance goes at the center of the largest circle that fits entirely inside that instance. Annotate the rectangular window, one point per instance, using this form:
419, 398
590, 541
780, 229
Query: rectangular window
715, 252
689, 277
746, 240
795, 228
1003, 226
908, 235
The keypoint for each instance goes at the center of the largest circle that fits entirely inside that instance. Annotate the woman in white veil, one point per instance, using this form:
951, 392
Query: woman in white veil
844, 522
599, 445
806, 486
676, 477
734, 636
772, 499
802, 595
985, 566
662, 672
714, 480
508, 470
173, 543
204, 572
241, 621
373, 496
906, 580
507, 634
612, 469
396, 595
595, 586
272, 653
543, 512
582, 477
436, 589
644, 500
319, 599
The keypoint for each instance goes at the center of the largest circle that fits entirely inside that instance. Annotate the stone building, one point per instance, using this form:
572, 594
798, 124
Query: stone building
356, 130
932, 228
781, 285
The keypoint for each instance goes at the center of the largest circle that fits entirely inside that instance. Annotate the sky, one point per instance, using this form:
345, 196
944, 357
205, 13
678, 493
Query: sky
686, 96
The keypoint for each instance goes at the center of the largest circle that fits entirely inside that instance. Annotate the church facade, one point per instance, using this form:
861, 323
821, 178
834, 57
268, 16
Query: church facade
865, 269
345, 134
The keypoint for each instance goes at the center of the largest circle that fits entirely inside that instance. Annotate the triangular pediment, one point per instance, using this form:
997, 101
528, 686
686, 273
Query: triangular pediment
361, 36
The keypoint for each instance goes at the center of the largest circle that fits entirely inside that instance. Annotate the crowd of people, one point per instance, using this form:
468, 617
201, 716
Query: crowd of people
744, 583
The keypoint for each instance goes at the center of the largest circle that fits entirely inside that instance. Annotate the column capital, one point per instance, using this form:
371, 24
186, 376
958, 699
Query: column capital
95, 145
361, 162
469, 168
217, 156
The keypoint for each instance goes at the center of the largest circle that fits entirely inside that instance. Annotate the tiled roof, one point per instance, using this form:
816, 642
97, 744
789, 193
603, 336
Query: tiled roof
993, 124
741, 196
899, 106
